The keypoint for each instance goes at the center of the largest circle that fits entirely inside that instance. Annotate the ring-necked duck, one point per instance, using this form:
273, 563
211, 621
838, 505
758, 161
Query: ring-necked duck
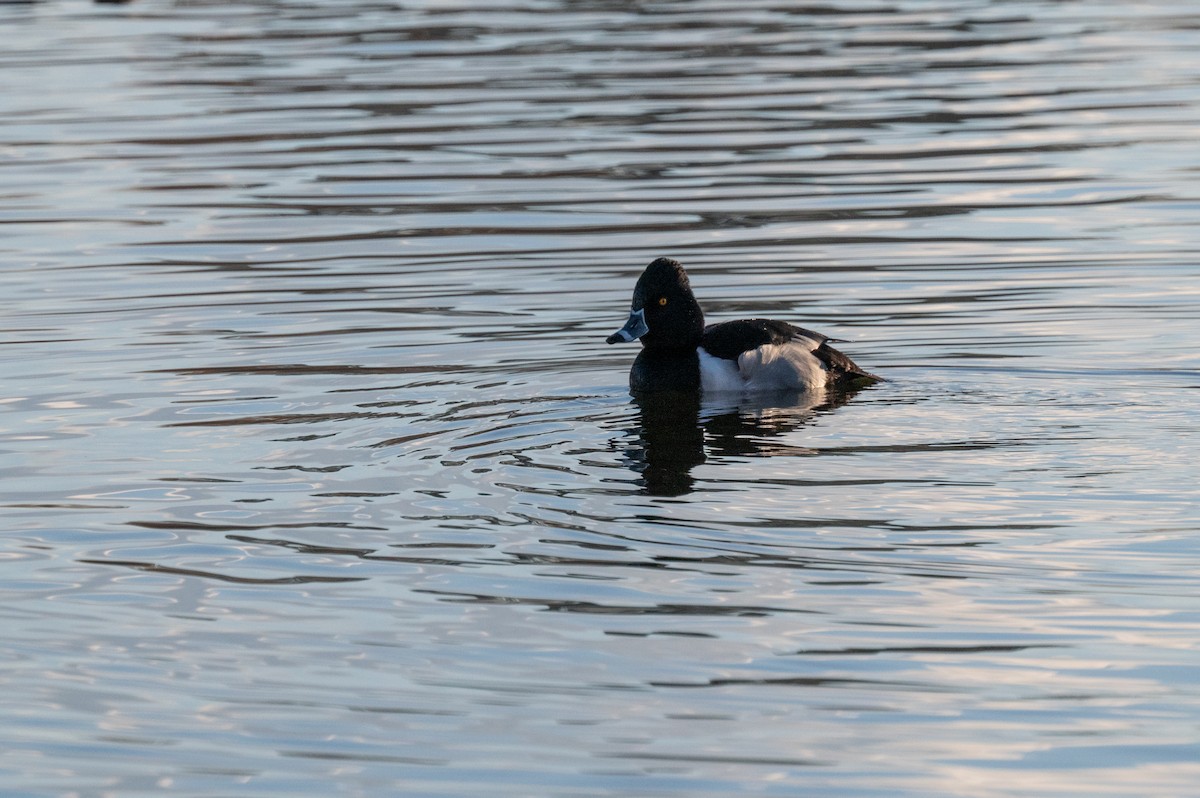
680, 353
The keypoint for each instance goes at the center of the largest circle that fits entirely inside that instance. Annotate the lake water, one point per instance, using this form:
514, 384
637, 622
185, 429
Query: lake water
319, 478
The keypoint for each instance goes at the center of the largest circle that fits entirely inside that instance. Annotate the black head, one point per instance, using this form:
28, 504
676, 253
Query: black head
665, 314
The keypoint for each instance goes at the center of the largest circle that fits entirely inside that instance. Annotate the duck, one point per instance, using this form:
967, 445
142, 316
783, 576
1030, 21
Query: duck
747, 356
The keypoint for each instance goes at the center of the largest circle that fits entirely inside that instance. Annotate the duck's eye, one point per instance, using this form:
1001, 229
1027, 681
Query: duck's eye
662, 300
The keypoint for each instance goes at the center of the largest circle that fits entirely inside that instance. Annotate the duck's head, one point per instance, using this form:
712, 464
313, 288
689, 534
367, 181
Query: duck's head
664, 314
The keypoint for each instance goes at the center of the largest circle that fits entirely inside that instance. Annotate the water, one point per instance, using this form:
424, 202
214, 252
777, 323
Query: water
320, 480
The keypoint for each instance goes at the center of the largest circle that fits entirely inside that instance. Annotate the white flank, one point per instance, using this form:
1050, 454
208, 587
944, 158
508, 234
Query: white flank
790, 366
718, 375
772, 367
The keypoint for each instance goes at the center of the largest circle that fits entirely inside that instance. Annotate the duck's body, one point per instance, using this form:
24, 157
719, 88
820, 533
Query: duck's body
680, 353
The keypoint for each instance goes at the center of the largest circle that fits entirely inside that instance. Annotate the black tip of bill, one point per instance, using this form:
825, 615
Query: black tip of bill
634, 329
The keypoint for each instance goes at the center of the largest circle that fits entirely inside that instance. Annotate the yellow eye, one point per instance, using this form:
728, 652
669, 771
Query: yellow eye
662, 300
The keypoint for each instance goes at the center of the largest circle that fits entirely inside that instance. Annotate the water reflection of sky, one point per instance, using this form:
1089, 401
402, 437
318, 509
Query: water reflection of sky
319, 476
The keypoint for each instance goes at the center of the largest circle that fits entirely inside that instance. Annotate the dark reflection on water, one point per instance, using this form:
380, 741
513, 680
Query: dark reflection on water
671, 442
675, 430
318, 478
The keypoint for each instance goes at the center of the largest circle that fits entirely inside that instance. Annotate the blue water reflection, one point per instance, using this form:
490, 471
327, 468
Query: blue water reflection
320, 480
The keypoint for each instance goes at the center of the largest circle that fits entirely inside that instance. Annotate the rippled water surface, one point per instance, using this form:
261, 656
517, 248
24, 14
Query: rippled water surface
319, 478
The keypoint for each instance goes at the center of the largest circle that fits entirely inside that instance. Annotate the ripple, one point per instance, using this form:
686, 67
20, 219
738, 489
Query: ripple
313, 445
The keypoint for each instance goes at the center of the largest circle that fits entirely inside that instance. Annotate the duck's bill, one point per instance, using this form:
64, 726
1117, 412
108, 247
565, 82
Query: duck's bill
634, 329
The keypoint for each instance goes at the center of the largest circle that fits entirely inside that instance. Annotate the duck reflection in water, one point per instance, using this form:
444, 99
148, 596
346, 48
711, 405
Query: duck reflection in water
734, 383
678, 431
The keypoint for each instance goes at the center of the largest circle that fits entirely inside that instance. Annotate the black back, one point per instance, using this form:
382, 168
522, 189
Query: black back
729, 339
